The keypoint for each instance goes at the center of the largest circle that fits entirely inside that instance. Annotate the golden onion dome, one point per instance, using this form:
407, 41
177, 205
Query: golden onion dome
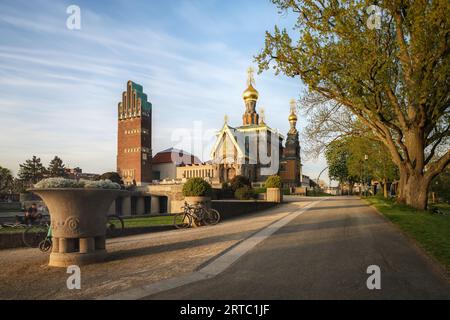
250, 93
293, 117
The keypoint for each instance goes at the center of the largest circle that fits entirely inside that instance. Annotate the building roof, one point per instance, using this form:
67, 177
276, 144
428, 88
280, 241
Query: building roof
176, 156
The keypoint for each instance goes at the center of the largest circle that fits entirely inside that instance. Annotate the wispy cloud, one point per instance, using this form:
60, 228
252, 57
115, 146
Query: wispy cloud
59, 89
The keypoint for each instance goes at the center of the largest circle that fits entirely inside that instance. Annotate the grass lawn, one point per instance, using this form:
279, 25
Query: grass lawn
147, 221
431, 231
129, 223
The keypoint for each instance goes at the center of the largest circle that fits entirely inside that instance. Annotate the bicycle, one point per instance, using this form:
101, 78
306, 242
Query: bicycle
114, 226
33, 235
195, 213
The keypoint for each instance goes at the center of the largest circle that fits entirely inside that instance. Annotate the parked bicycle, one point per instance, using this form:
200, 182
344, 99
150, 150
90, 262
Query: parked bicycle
114, 226
40, 235
34, 234
198, 214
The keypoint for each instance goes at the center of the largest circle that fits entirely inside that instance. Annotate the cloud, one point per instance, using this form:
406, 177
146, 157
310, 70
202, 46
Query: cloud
59, 89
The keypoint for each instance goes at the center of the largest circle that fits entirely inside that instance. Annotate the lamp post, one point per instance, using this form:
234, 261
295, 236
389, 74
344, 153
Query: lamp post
366, 178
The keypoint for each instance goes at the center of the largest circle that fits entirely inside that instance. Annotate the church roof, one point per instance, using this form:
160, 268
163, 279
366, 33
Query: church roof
171, 154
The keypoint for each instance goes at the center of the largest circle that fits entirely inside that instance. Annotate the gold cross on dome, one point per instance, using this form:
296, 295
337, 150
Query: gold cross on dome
250, 77
293, 104
225, 119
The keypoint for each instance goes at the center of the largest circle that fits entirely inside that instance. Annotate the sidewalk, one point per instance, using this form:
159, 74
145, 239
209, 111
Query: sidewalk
133, 261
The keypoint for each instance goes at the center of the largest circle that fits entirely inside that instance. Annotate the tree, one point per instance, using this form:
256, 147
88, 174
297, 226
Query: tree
394, 78
56, 168
32, 170
113, 176
441, 185
378, 166
336, 155
6, 180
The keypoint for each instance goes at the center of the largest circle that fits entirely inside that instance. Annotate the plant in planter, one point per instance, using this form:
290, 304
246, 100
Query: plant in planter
239, 182
78, 212
245, 193
273, 185
197, 187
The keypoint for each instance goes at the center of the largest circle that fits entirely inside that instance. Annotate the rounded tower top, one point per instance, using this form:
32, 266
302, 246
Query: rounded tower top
250, 93
293, 113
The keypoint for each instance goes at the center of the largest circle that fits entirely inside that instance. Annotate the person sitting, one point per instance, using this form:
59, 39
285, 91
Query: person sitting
32, 214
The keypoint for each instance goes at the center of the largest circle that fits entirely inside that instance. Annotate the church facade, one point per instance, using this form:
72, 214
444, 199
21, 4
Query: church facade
253, 149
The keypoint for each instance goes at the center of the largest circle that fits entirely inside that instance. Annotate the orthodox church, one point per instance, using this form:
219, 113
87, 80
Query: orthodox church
253, 149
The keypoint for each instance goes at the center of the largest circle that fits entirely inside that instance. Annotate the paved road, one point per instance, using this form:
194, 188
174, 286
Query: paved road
324, 254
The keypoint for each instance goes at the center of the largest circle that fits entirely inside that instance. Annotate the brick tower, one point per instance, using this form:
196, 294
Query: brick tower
250, 96
291, 162
134, 145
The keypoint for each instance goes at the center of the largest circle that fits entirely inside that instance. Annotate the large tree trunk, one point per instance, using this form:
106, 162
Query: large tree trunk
416, 191
385, 189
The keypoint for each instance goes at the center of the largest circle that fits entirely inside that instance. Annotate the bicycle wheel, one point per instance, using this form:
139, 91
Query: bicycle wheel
212, 217
45, 245
33, 235
182, 220
114, 226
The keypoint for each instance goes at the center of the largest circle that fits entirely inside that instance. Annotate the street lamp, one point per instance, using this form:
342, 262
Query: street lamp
366, 178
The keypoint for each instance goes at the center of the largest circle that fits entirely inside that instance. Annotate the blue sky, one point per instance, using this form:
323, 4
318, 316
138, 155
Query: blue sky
59, 88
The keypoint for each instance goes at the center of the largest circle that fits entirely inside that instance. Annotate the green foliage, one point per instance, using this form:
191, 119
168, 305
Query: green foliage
239, 182
441, 185
260, 190
32, 170
6, 180
56, 168
393, 77
197, 187
273, 182
336, 155
347, 163
245, 193
113, 176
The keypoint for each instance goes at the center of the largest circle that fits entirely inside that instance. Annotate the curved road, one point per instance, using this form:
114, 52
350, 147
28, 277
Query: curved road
324, 254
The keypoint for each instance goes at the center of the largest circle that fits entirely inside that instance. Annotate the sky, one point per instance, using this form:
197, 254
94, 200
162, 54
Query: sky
59, 88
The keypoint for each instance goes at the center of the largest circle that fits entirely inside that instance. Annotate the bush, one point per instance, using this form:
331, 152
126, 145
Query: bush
273, 182
58, 183
61, 183
197, 187
245, 193
113, 176
260, 190
238, 182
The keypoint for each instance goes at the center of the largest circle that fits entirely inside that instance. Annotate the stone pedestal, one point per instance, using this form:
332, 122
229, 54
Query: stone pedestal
274, 195
78, 222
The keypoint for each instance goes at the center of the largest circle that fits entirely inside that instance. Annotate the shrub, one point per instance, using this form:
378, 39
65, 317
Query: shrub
101, 184
58, 183
238, 182
273, 182
113, 176
197, 187
245, 193
61, 183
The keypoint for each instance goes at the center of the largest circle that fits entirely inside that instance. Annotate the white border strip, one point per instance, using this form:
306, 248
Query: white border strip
214, 268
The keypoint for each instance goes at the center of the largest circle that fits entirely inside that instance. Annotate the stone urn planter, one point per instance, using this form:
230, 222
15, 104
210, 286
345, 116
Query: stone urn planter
274, 195
78, 221
205, 201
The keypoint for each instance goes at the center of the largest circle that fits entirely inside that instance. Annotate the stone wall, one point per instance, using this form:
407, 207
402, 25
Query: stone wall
229, 209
